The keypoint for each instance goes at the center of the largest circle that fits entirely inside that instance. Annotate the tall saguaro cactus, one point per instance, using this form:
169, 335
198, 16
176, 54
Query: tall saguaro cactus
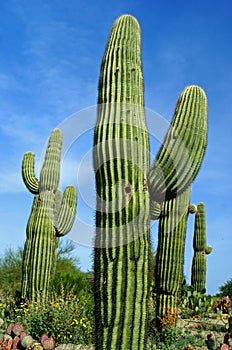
121, 162
51, 217
129, 194
198, 277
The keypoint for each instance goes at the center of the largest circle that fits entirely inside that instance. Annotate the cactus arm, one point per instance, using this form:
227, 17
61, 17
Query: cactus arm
29, 178
179, 159
198, 276
67, 211
121, 162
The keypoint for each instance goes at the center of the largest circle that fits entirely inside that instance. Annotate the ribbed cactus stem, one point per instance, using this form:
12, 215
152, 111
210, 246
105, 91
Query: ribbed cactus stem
170, 252
179, 159
198, 277
51, 216
121, 162
29, 178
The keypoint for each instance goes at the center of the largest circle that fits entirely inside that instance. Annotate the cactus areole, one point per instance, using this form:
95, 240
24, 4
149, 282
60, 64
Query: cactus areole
51, 217
121, 162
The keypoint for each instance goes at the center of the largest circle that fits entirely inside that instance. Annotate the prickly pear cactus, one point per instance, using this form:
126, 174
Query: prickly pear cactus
51, 217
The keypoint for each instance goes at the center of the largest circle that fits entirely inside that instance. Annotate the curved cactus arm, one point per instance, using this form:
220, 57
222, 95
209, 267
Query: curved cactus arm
67, 212
179, 159
29, 178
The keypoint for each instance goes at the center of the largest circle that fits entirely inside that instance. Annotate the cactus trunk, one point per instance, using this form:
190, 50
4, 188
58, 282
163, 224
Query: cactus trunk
198, 277
51, 217
121, 162
170, 252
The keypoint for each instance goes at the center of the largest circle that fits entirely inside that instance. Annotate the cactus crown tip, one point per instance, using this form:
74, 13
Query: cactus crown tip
127, 16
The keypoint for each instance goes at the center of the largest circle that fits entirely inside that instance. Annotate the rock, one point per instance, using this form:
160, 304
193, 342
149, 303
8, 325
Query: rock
73, 347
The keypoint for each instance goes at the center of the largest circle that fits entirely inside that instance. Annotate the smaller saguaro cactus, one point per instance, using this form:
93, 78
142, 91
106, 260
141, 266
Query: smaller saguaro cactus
170, 252
51, 217
198, 277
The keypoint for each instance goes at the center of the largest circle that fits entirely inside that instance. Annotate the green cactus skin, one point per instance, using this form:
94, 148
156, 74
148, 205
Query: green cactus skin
51, 217
198, 276
121, 162
170, 252
179, 159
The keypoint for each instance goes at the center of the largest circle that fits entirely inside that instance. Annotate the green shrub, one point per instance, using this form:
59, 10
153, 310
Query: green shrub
226, 289
68, 318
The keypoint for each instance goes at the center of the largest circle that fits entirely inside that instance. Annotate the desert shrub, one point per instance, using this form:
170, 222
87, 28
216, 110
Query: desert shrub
68, 318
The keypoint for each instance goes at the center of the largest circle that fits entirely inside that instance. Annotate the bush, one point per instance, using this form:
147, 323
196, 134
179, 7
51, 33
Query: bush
68, 318
226, 289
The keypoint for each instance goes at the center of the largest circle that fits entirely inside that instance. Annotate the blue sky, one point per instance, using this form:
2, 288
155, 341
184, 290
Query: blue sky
49, 67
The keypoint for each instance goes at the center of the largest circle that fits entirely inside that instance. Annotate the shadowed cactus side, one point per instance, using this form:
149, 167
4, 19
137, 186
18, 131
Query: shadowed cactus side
51, 217
198, 277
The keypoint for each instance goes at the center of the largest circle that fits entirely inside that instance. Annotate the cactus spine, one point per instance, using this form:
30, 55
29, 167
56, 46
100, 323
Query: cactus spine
198, 277
51, 217
121, 162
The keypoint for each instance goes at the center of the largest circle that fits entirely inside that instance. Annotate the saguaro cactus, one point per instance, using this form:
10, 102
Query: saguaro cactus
170, 177
121, 162
124, 184
51, 217
198, 277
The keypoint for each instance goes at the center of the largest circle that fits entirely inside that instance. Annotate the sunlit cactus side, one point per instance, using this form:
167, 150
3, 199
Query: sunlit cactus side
179, 159
121, 162
170, 252
198, 276
51, 217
